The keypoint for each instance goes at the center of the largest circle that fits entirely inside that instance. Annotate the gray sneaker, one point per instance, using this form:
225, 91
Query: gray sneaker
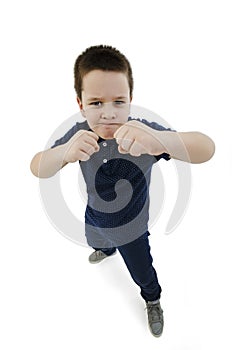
155, 318
98, 256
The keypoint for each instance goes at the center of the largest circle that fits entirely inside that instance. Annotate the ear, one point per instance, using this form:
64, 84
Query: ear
79, 103
81, 106
130, 104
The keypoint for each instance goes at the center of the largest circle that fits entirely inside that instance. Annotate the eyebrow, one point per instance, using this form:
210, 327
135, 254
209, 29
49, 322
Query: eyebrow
93, 99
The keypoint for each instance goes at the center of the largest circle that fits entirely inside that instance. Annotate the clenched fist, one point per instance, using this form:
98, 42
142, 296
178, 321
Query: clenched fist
81, 146
137, 138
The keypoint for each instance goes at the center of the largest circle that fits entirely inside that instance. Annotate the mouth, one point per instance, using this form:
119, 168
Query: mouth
110, 124
106, 130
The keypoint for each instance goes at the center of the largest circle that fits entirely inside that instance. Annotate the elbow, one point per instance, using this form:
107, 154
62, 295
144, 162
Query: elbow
34, 166
40, 166
210, 149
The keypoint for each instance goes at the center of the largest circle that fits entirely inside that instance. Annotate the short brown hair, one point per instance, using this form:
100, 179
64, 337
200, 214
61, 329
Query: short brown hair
101, 57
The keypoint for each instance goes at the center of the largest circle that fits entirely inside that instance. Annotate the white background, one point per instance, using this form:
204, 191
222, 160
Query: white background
51, 297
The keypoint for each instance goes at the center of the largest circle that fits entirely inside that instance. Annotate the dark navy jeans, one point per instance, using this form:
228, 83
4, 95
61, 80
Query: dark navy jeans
138, 260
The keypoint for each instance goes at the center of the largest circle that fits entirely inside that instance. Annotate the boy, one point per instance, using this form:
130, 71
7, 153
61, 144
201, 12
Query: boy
112, 146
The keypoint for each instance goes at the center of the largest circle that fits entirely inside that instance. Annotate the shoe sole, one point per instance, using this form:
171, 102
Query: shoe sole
155, 335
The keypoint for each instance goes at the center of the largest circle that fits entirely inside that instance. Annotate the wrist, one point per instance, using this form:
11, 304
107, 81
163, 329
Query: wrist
159, 141
173, 144
63, 154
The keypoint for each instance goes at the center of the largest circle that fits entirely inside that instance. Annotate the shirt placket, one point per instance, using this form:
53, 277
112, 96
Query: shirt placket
105, 152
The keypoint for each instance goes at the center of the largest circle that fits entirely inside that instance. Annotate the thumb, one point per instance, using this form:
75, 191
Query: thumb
117, 132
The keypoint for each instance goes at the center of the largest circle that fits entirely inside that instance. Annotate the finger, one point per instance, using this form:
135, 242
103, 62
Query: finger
121, 150
124, 139
92, 135
84, 135
118, 131
137, 149
125, 144
84, 156
121, 133
89, 140
93, 145
89, 148
77, 155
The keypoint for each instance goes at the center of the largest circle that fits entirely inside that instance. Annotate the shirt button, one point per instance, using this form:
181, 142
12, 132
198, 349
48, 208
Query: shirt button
104, 160
104, 144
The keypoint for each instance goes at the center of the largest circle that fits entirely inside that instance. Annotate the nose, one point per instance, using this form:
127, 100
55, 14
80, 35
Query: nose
108, 111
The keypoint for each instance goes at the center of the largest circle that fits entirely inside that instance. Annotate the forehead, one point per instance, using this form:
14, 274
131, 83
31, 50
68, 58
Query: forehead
105, 83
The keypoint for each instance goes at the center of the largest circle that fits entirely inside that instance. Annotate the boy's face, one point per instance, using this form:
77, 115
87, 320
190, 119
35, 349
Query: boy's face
105, 101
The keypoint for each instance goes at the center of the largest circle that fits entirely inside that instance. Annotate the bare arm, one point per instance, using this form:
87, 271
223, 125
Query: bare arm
136, 138
46, 163
80, 147
192, 147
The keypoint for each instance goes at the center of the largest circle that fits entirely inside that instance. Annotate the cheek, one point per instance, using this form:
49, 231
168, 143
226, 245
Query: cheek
123, 118
92, 121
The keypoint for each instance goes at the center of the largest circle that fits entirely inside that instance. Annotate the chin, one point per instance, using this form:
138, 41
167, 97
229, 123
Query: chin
106, 135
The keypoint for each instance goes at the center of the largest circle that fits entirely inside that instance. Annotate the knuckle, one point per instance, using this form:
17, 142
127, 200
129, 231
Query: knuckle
85, 157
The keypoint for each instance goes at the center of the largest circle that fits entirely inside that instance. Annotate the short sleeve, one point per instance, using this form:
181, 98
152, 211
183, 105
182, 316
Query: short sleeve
69, 134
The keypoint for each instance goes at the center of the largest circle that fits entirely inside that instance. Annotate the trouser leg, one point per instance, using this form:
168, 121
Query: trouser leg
138, 260
107, 251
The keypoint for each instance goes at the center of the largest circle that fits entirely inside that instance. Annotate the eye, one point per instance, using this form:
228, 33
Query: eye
96, 103
119, 103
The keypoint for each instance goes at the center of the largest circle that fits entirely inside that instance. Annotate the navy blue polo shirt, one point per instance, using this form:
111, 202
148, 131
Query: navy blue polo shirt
117, 185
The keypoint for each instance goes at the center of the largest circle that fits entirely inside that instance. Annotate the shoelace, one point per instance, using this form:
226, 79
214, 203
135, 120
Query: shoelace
155, 312
99, 253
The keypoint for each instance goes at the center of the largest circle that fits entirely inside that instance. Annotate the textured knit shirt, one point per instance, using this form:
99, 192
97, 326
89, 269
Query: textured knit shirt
117, 185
